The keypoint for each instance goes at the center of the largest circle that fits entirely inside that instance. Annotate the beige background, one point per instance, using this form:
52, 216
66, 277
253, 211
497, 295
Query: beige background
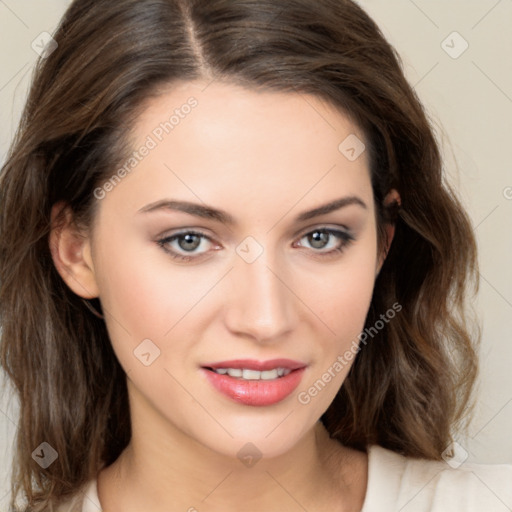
469, 99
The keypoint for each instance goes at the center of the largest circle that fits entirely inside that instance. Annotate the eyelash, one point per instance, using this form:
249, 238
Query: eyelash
345, 240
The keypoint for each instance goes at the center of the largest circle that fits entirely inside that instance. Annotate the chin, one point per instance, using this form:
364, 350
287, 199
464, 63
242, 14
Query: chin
265, 434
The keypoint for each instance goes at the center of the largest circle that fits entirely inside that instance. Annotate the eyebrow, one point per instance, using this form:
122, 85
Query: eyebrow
208, 212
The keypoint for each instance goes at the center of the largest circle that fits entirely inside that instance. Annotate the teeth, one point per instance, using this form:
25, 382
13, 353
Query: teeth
247, 374
251, 374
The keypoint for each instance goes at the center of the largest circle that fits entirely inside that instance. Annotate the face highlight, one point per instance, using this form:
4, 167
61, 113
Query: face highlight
241, 250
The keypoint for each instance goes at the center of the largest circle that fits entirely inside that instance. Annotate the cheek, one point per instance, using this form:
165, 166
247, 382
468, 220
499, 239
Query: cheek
342, 295
341, 300
346, 301
139, 282
144, 296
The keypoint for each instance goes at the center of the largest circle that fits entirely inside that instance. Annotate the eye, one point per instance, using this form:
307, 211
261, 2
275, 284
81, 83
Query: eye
326, 241
186, 245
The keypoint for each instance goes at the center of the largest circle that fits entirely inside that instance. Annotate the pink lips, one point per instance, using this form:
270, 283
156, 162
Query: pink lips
256, 392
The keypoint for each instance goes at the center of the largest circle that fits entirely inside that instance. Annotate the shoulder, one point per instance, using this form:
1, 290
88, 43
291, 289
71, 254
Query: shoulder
86, 500
414, 485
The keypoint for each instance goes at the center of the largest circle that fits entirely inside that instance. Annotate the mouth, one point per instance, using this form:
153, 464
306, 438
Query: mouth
255, 383
248, 374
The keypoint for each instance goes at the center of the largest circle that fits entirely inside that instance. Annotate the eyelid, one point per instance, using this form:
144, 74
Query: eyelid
183, 231
345, 239
343, 233
166, 238
324, 227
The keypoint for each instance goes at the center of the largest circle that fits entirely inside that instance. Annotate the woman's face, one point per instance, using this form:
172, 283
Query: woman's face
235, 259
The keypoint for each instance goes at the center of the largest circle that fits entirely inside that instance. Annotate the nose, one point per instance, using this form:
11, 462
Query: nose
260, 304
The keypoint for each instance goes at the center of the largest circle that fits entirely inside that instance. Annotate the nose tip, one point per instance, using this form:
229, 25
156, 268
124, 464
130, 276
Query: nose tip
260, 306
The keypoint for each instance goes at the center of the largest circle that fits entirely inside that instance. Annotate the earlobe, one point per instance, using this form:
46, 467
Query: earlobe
71, 253
389, 234
393, 197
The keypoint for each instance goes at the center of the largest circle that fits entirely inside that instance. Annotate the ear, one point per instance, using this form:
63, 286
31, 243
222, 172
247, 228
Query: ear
71, 252
389, 229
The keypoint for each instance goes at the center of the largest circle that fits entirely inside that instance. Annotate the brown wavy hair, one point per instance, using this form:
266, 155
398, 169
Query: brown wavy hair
407, 390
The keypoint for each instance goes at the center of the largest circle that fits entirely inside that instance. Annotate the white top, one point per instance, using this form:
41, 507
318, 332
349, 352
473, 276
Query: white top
401, 484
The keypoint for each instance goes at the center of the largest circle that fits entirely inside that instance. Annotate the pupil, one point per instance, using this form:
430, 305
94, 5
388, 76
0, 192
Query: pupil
189, 242
319, 239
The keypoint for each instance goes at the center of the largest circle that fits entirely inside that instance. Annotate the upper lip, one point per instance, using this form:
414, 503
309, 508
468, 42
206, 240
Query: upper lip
252, 364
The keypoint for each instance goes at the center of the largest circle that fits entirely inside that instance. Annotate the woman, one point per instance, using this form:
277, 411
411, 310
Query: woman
232, 276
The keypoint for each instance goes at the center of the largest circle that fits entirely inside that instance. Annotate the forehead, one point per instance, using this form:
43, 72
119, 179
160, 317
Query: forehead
221, 142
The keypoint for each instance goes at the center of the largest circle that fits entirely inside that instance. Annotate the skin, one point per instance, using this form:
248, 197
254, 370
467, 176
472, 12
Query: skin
264, 158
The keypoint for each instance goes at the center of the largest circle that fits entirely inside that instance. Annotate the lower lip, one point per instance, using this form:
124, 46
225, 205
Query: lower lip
255, 392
